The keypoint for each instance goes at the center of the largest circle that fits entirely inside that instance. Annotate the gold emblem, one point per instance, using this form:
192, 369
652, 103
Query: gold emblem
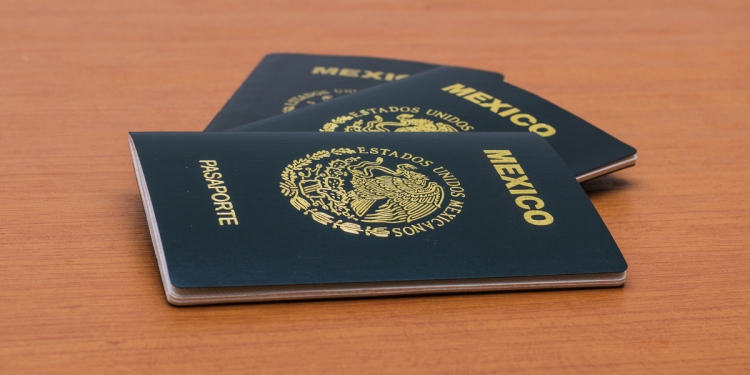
312, 98
361, 192
396, 119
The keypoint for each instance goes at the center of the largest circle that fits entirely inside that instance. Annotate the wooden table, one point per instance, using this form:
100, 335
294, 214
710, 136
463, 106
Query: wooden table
79, 286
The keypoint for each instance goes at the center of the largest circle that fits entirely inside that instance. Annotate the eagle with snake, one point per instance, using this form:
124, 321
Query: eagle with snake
408, 195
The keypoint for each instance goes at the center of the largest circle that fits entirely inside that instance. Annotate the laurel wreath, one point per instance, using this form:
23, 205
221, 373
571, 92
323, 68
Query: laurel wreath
333, 124
292, 103
356, 126
289, 189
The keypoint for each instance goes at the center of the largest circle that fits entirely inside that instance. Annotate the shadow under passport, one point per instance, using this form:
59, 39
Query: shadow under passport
604, 184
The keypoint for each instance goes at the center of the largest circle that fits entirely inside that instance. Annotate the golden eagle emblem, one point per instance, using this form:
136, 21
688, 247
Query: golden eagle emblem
406, 195
406, 123
348, 191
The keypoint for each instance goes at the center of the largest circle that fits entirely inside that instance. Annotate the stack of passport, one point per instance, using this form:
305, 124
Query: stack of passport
336, 176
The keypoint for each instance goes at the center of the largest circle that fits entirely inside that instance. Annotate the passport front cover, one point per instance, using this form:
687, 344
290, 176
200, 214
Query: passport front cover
457, 100
267, 216
285, 82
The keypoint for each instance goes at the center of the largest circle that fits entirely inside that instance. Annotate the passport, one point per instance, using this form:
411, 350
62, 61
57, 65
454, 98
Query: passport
284, 82
457, 100
270, 216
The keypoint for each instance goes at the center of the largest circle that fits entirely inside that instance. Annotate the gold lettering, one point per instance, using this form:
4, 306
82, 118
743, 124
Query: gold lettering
417, 228
219, 189
459, 89
523, 181
456, 205
323, 70
369, 74
546, 219
532, 205
220, 197
347, 72
510, 168
228, 221
477, 97
527, 198
522, 191
517, 119
509, 112
499, 156
481, 98
543, 129
447, 215
223, 206
495, 105
229, 213
215, 199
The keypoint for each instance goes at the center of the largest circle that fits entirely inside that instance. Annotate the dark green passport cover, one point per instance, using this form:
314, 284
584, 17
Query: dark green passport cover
458, 100
270, 216
284, 82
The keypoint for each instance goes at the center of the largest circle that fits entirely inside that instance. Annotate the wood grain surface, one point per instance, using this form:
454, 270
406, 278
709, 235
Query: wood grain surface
79, 286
